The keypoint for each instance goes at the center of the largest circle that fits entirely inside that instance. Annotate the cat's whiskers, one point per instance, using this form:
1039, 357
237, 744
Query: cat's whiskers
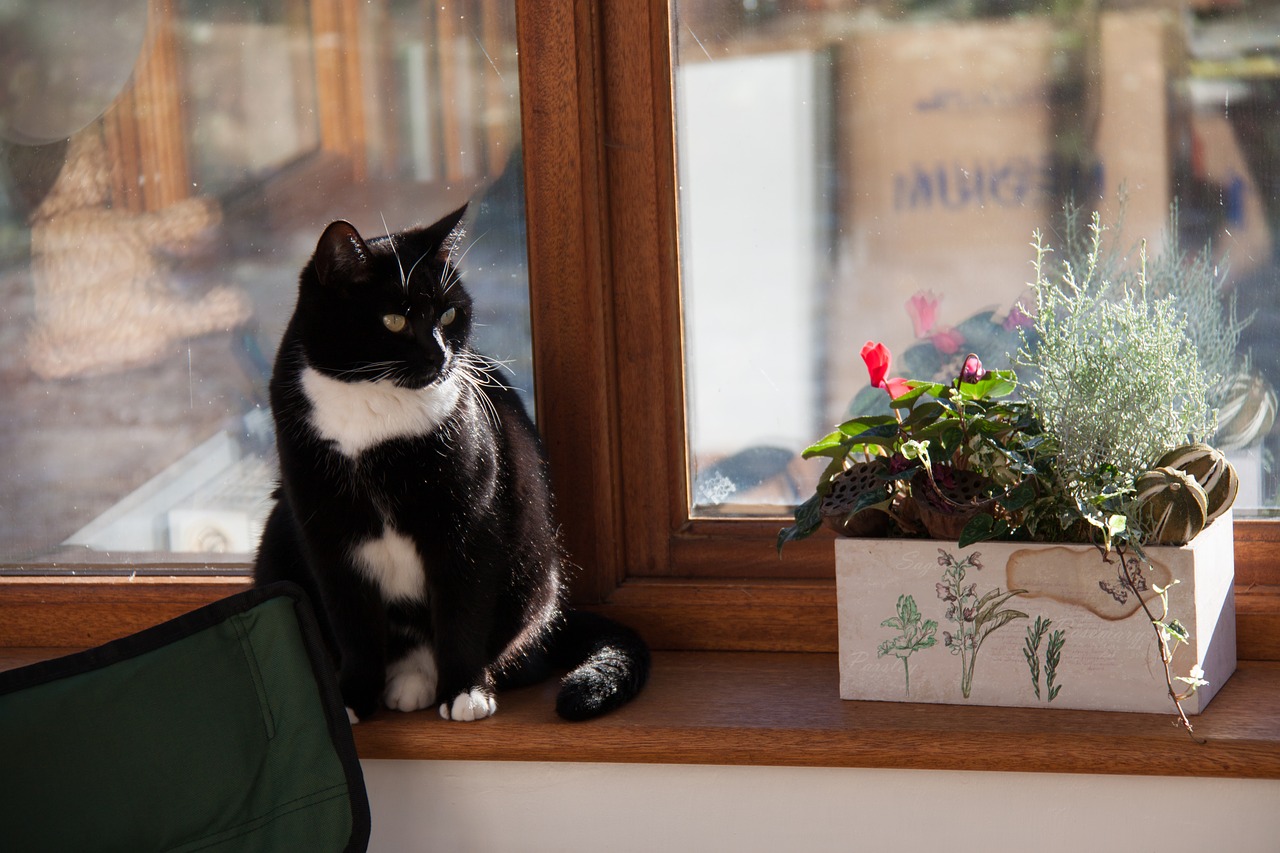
471, 370
452, 265
485, 369
420, 259
495, 364
379, 369
477, 391
451, 277
404, 280
376, 374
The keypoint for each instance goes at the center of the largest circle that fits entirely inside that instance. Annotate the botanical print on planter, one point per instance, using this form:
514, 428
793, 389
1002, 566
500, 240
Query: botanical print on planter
913, 634
975, 618
1052, 656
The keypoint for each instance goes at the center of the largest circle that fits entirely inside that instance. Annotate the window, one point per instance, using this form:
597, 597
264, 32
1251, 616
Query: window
598, 109
851, 172
692, 579
160, 196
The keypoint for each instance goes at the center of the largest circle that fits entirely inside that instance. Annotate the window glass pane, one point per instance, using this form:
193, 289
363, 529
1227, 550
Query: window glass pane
238, 130
164, 176
875, 171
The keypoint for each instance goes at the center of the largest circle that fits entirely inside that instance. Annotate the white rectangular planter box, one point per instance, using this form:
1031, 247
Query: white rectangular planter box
1097, 649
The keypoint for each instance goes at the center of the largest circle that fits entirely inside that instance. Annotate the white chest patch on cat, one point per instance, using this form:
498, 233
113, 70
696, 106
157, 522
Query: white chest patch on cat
392, 562
359, 415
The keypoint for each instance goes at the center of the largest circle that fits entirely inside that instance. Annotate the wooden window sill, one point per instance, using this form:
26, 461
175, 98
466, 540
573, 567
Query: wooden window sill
763, 708
768, 708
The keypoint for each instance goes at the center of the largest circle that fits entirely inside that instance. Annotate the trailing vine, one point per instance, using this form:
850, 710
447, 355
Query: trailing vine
1170, 633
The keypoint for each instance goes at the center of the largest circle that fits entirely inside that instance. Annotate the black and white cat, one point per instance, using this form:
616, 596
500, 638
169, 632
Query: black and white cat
414, 504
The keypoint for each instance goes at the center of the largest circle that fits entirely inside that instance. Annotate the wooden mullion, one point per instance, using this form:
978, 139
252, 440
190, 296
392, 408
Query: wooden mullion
645, 280
570, 318
667, 247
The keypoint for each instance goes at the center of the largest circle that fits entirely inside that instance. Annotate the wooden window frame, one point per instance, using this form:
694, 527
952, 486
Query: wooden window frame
599, 152
608, 347
598, 148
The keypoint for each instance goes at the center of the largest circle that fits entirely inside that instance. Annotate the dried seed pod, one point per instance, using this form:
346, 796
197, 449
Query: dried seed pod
1211, 470
853, 488
1171, 506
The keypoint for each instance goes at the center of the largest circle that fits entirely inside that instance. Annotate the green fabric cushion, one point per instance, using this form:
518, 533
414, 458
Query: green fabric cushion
219, 731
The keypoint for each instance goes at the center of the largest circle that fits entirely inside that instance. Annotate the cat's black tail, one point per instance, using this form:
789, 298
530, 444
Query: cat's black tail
608, 664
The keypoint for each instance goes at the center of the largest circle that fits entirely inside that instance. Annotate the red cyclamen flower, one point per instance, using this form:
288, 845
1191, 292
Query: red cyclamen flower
877, 358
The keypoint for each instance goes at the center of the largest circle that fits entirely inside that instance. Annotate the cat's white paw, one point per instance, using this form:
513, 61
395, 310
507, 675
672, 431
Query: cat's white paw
409, 691
351, 717
474, 705
411, 682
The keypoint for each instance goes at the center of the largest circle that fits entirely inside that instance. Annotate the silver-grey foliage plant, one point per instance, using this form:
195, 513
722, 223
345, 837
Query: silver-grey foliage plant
1115, 378
1193, 282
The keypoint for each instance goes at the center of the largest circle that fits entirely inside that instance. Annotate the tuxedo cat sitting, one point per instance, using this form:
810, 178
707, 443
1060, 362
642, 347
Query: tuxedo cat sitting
414, 505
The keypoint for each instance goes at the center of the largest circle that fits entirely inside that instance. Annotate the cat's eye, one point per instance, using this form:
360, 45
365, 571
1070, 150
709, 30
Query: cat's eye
394, 322
449, 315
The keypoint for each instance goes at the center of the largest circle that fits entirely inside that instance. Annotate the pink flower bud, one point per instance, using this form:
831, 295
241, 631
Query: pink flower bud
972, 370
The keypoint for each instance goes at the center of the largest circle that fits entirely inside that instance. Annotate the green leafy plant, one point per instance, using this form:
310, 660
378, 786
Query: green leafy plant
914, 634
954, 450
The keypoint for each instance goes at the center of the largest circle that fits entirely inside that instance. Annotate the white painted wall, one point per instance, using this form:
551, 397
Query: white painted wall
462, 806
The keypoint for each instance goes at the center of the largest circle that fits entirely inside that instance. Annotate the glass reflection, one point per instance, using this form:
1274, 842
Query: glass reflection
151, 235
874, 171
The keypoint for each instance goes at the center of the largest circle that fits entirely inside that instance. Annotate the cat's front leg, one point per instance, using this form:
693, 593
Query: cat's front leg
466, 686
412, 680
359, 627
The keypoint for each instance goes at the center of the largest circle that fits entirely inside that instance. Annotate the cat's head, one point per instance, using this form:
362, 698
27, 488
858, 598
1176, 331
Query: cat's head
388, 308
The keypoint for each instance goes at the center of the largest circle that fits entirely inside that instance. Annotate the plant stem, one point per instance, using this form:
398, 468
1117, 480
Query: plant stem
1166, 656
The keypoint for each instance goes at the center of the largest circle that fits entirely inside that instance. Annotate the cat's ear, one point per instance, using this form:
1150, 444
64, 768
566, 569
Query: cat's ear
342, 258
448, 234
